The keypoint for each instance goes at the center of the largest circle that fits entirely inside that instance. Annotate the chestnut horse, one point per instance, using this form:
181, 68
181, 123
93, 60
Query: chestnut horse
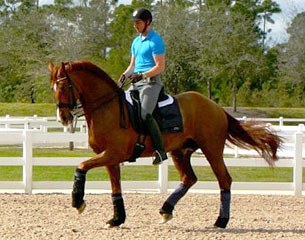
206, 126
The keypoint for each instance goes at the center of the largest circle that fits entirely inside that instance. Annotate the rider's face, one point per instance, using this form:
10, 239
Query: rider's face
139, 25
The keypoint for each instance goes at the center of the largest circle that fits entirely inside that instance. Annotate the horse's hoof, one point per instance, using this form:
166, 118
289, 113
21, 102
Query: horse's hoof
111, 226
115, 222
166, 217
221, 222
81, 208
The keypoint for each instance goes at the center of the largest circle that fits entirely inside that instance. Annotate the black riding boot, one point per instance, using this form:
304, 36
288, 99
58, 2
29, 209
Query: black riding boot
155, 133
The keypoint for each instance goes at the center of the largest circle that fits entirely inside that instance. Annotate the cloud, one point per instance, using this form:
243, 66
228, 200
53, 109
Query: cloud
290, 8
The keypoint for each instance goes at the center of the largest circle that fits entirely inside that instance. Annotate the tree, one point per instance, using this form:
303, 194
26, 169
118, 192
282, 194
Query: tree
79, 32
228, 52
257, 11
22, 52
63, 33
212, 46
176, 24
292, 59
121, 35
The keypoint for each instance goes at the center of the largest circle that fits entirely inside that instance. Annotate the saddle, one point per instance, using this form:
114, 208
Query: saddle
167, 114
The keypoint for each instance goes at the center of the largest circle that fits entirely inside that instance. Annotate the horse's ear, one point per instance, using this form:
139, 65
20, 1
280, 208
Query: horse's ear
51, 66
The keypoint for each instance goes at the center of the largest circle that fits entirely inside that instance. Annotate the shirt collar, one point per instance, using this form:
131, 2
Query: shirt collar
148, 36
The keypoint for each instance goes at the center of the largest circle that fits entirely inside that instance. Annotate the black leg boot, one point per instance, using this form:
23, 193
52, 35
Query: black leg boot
156, 136
119, 215
78, 188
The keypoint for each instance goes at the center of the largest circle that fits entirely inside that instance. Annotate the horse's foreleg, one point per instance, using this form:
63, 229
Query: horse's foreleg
188, 178
119, 214
80, 179
79, 190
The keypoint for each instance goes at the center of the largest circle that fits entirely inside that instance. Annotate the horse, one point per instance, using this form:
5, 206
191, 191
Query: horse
206, 126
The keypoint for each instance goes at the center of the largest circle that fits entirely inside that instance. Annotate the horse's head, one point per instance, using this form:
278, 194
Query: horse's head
65, 92
80, 81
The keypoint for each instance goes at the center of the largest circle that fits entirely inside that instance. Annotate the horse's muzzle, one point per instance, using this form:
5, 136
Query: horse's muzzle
64, 117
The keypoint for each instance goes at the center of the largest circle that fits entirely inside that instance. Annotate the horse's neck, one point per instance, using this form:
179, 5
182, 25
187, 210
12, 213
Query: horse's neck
99, 101
92, 88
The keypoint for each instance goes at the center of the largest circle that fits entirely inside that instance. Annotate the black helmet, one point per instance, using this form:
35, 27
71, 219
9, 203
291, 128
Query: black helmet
142, 14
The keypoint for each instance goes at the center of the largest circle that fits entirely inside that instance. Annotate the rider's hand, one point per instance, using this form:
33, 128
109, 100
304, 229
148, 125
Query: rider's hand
122, 78
135, 77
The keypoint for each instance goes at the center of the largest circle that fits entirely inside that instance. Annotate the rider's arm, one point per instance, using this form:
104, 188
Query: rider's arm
158, 68
130, 68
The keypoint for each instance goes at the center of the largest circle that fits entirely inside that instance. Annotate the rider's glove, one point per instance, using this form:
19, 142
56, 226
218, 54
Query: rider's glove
135, 77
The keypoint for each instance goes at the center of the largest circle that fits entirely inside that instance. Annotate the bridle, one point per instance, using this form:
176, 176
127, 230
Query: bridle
76, 108
72, 99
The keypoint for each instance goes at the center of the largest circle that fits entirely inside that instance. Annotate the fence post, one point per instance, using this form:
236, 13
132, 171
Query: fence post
281, 121
298, 164
7, 125
235, 151
163, 176
27, 160
44, 127
83, 129
71, 143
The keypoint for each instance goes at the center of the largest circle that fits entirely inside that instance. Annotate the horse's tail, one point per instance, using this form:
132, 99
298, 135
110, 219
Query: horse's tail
252, 135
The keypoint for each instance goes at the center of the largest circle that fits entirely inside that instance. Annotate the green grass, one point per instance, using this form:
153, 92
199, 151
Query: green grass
148, 173
28, 109
283, 112
46, 152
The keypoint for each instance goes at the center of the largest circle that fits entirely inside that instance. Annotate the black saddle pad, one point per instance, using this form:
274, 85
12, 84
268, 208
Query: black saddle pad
167, 114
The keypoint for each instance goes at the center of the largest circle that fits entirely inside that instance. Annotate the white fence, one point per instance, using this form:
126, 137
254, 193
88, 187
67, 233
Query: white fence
291, 156
44, 124
281, 121
47, 124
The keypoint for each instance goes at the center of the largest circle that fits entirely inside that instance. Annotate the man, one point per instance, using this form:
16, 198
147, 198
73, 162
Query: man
146, 64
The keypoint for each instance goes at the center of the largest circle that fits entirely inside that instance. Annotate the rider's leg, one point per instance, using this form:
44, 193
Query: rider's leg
156, 136
149, 97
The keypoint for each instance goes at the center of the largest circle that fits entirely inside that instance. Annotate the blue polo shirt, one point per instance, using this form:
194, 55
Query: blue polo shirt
145, 49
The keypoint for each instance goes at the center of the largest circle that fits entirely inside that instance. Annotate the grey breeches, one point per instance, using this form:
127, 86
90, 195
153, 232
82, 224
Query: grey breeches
149, 93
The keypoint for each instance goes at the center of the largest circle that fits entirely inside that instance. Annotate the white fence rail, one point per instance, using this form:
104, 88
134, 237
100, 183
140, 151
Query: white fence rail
281, 121
291, 156
49, 123
44, 124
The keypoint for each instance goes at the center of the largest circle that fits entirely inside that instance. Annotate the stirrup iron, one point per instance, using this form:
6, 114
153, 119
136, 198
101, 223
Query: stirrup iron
160, 157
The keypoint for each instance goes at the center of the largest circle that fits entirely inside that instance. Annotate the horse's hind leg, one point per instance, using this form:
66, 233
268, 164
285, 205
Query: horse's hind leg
182, 162
215, 158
